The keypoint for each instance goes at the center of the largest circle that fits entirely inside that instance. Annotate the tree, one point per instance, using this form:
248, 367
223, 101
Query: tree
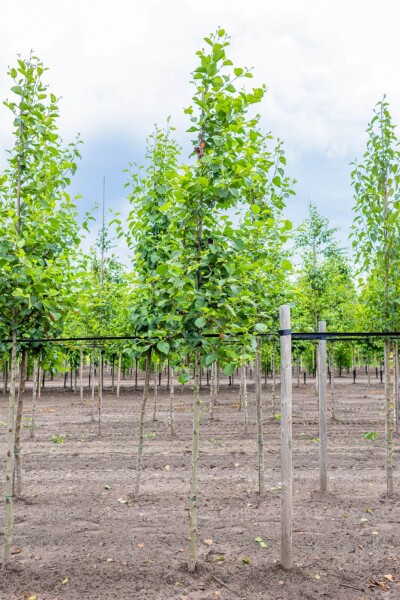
191, 258
38, 233
375, 236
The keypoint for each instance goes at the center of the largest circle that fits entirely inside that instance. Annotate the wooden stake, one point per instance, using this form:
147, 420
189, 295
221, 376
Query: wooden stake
81, 373
388, 421
260, 428
322, 392
192, 550
286, 439
396, 384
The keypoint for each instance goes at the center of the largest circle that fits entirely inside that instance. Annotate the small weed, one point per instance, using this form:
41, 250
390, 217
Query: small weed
150, 434
315, 440
57, 439
277, 416
370, 435
260, 542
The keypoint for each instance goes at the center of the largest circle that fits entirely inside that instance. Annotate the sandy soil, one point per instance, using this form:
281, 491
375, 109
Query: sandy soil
77, 537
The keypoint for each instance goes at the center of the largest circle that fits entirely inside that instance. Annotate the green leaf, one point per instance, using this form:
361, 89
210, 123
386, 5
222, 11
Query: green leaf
238, 71
200, 322
229, 369
261, 328
286, 264
162, 269
210, 358
184, 378
255, 208
163, 347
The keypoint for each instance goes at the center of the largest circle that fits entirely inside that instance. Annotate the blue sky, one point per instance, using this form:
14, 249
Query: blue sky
123, 66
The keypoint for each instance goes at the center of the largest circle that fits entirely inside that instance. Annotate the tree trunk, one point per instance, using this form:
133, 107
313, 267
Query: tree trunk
155, 395
93, 390
214, 388
34, 384
172, 399
241, 384
113, 375
119, 374
5, 388
17, 481
273, 381
8, 531
192, 554
100, 390
245, 401
141, 425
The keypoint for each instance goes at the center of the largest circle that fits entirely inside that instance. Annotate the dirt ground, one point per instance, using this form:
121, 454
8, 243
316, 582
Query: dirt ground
77, 535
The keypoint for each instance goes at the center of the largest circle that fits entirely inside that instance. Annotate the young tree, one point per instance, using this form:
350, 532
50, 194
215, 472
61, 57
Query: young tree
38, 231
376, 234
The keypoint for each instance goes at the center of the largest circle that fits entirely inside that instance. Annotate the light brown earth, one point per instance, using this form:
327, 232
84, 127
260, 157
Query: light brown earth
76, 539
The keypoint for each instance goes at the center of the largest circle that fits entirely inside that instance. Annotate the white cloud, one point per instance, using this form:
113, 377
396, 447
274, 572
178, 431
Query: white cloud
123, 65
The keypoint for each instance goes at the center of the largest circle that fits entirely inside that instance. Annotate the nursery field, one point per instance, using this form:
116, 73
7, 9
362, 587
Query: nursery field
79, 534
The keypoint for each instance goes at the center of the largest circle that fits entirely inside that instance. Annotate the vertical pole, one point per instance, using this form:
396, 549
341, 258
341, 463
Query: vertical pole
81, 373
286, 438
260, 429
119, 373
396, 384
34, 386
323, 478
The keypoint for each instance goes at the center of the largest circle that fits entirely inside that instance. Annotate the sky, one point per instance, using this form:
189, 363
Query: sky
123, 66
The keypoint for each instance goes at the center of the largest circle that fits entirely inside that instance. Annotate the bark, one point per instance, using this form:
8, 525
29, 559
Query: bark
34, 384
213, 388
9, 524
93, 388
113, 375
241, 384
100, 389
155, 395
17, 483
245, 401
119, 374
172, 399
5, 388
141, 425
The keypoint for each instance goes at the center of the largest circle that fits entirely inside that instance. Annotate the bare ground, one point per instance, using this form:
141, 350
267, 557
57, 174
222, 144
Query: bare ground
76, 537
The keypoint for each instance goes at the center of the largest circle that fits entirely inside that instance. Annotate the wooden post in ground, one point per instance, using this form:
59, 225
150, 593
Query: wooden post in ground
81, 373
286, 438
323, 478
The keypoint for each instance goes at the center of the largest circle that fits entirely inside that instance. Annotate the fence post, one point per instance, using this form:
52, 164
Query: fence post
323, 479
286, 438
